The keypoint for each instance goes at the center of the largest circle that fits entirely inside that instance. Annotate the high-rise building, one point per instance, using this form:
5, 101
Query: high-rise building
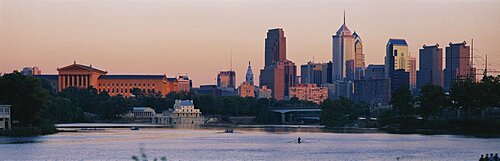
412, 65
359, 57
312, 73
375, 72
374, 88
431, 66
249, 74
343, 54
226, 79
309, 92
458, 64
400, 79
279, 74
275, 49
374, 91
327, 72
396, 58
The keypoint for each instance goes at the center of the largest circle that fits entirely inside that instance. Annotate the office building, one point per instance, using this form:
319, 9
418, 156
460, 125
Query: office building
311, 73
431, 66
374, 91
412, 66
375, 72
279, 74
359, 57
343, 54
396, 58
458, 64
226, 79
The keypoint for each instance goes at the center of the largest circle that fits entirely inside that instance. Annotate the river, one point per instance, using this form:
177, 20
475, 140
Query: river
244, 144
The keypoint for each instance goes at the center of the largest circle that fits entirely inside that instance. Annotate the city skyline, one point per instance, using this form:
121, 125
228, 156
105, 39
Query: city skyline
108, 36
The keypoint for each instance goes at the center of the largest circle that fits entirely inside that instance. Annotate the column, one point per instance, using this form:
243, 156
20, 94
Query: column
87, 85
70, 80
59, 82
283, 118
66, 81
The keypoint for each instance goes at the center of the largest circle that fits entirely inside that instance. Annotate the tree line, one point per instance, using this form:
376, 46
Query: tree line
36, 105
466, 107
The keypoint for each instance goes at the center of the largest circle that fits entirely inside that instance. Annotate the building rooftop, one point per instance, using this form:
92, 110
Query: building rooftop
184, 102
143, 109
81, 66
132, 77
372, 66
397, 42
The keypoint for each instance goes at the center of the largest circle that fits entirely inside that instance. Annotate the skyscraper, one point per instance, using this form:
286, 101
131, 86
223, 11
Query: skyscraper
458, 65
359, 57
249, 74
279, 74
431, 66
275, 49
412, 65
396, 58
226, 79
311, 73
343, 54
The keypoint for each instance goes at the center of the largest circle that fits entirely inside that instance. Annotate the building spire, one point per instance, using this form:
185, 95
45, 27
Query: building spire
344, 17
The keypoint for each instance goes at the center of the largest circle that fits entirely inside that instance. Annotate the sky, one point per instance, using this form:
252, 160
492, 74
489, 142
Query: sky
197, 37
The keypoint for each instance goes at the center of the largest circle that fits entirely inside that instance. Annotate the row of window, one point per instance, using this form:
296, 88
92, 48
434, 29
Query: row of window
123, 90
126, 84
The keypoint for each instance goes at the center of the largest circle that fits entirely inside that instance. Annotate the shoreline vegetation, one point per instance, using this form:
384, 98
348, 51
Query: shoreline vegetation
468, 109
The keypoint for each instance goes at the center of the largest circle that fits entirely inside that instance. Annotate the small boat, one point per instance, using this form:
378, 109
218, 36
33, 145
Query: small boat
134, 128
228, 131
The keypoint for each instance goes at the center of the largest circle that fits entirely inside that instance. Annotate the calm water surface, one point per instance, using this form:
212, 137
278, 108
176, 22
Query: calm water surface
211, 144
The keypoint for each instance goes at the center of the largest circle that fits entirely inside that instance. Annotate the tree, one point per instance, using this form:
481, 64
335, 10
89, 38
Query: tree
338, 113
402, 102
432, 100
464, 96
27, 97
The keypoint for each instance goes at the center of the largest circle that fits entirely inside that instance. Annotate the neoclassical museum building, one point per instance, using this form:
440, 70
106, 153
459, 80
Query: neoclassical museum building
83, 76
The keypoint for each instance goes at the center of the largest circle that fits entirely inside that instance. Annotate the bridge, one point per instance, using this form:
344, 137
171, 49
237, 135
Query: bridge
305, 113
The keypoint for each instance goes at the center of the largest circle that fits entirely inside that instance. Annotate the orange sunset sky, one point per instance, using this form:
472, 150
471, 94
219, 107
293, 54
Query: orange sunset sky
197, 37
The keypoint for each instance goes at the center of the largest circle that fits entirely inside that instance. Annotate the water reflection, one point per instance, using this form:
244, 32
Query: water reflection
244, 144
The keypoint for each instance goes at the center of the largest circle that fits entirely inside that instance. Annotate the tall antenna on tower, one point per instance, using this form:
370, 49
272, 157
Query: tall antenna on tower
231, 60
344, 16
472, 54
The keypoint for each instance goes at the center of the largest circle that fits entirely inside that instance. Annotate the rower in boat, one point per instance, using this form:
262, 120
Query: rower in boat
299, 140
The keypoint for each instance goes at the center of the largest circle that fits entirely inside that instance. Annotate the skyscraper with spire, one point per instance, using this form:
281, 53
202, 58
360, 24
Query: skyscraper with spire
249, 75
344, 54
